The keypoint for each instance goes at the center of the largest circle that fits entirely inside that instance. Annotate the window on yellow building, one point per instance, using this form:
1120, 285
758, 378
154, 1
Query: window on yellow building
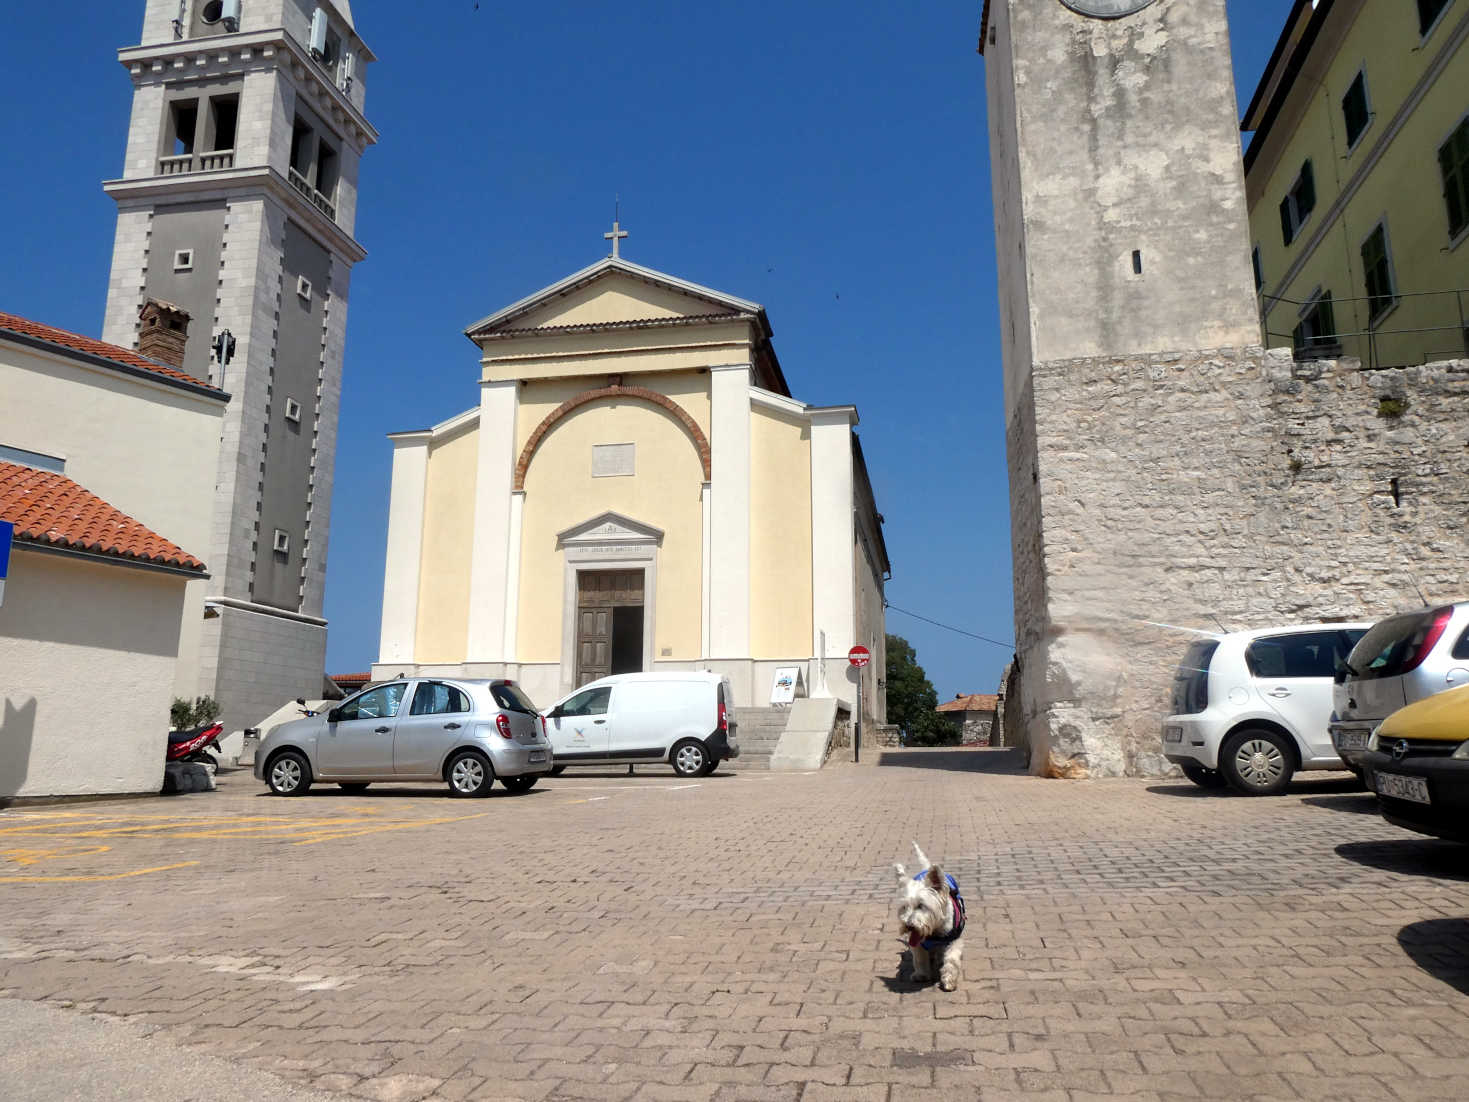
1453, 163
1428, 13
1377, 271
1315, 333
1298, 203
1259, 271
1355, 110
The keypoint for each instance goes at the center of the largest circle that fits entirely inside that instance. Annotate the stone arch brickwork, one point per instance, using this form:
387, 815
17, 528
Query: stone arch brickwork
638, 393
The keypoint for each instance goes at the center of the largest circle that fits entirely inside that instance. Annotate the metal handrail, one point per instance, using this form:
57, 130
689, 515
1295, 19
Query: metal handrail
1374, 334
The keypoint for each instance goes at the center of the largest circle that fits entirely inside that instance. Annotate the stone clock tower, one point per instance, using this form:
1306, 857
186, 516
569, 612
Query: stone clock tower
236, 206
1125, 293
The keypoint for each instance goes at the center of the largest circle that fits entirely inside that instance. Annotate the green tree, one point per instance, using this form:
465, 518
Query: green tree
912, 702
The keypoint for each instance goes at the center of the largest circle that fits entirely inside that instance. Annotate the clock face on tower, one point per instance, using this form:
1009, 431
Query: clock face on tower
1106, 9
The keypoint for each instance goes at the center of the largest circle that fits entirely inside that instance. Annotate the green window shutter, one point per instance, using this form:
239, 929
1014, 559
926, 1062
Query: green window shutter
1453, 164
1306, 191
1287, 227
1354, 109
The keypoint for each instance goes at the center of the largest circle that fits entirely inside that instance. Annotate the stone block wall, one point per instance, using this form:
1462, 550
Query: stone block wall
1160, 496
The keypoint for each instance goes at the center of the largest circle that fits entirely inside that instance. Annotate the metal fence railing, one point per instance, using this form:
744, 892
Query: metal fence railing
1381, 330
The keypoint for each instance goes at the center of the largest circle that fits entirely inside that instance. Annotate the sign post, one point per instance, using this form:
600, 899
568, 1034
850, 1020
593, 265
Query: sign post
858, 656
7, 533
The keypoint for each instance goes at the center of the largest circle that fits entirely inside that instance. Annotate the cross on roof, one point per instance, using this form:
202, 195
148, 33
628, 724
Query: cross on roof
617, 234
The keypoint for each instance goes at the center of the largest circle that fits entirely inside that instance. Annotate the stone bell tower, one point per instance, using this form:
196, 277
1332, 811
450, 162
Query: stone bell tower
1125, 295
236, 207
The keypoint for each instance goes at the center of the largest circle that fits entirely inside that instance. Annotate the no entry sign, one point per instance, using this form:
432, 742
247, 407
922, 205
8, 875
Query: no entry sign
859, 656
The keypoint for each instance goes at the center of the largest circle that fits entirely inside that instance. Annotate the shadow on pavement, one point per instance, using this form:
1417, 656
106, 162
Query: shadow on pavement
1411, 856
325, 791
1440, 946
1189, 790
1358, 803
974, 760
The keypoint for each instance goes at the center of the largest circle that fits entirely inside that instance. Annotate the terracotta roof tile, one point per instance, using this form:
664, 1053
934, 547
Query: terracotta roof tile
971, 702
14, 323
51, 509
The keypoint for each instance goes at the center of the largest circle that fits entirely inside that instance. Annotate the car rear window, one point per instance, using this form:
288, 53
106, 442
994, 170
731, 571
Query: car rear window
1300, 654
1191, 679
512, 698
1389, 647
1461, 648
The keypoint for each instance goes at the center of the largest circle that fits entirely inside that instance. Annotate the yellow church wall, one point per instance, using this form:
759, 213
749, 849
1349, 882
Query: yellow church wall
560, 492
688, 389
624, 351
780, 536
443, 585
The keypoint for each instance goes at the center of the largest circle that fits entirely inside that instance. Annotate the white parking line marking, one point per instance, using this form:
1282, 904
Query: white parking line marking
594, 799
681, 787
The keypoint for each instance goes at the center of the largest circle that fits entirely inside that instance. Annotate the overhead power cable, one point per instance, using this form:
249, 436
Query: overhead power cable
950, 627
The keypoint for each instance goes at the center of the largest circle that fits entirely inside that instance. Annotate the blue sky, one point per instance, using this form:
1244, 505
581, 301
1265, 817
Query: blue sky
825, 159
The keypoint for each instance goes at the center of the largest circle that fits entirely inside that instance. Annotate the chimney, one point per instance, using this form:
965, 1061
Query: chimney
163, 332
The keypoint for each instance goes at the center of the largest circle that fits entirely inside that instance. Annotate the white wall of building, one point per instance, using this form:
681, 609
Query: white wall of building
88, 650
144, 447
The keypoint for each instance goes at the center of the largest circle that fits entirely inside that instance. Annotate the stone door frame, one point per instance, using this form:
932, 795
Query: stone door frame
608, 541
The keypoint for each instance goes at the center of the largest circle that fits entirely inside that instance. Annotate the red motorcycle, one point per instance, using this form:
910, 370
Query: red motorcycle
195, 745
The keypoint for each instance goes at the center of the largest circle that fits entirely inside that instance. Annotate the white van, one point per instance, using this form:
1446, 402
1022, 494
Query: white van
682, 718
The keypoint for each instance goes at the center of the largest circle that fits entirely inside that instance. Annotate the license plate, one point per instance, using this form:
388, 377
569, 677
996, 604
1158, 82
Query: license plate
537, 755
1172, 734
1351, 740
1400, 787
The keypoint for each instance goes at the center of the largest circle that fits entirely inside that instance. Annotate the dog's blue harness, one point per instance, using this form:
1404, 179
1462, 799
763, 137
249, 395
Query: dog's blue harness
952, 935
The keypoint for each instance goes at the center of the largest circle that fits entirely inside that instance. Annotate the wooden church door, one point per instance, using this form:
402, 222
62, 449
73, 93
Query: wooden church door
609, 623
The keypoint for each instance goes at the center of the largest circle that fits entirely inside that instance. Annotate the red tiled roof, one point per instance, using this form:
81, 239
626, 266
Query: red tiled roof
971, 702
49, 508
350, 678
13, 323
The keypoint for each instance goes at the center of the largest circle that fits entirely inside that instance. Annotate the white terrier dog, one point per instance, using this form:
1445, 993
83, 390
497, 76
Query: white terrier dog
932, 913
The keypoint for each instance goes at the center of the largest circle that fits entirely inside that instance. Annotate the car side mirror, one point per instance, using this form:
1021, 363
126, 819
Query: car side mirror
334, 715
555, 713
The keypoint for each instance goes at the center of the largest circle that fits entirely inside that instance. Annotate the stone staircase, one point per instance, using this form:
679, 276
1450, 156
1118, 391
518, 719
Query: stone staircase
759, 732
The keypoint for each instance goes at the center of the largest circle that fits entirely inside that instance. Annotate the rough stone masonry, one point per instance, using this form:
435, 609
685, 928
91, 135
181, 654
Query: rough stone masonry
1226, 488
1165, 469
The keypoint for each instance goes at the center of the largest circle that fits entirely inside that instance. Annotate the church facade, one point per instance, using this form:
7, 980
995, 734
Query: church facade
635, 489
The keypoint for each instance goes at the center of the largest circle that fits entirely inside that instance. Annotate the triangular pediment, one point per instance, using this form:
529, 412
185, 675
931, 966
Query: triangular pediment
609, 527
614, 292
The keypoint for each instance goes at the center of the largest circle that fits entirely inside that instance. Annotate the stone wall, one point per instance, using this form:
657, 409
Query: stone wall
1162, 495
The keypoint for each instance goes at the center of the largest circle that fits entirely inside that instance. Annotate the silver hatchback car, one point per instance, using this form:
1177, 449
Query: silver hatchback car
465, 732
1399, 662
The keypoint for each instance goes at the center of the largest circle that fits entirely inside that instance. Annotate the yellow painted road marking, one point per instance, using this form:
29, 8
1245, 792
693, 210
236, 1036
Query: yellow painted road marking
390, 826
89, 879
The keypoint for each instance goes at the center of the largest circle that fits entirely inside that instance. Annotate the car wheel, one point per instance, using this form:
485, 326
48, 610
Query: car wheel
289, 774
519, 784
1204, 778
1258, 762
353, 786
689, 758
557, 770
469, 774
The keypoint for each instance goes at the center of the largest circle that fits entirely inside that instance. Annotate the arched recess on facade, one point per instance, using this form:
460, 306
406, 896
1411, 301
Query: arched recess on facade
637, 393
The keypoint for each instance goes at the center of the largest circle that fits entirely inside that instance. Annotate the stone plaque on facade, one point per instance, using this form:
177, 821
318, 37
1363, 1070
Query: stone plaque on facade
611, 460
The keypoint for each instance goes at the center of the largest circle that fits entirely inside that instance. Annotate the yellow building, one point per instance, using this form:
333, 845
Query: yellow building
1358, 181
635, 489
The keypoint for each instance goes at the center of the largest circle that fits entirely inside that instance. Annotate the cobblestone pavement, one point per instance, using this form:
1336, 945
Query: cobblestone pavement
611, 937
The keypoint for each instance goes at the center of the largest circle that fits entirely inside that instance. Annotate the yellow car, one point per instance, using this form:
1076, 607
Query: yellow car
1417, 762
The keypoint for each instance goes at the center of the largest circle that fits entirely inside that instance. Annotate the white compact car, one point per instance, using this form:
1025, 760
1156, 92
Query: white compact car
682, 718
1250, 708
